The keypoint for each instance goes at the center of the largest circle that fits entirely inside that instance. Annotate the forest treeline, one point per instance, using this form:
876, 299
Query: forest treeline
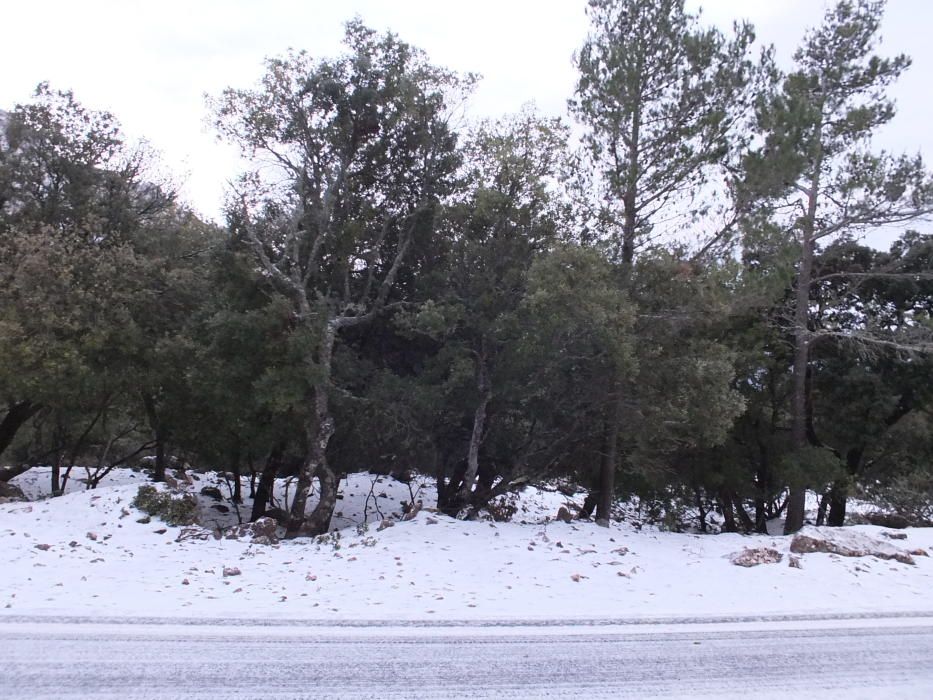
678, 305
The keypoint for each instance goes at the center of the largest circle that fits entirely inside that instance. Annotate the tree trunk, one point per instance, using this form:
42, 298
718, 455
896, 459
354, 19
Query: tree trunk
319, 431
699, 497
761, 516
266, 483
56, 485
821, 510
479, 425
152, 415
838, 495
607, 472
796, 499
747, 524
728, 517
16, 415
476, 440
237, 495
837, 504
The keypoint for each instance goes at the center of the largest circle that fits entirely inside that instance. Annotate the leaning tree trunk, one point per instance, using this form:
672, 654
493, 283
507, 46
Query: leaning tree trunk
16, 415
468, 483
266, 483
319, 431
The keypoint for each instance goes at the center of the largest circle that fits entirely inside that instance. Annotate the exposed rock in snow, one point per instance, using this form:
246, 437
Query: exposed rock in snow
846, 543
754, 557
11, 493
262, 531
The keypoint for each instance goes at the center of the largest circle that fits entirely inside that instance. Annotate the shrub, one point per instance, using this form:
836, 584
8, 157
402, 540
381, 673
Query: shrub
173, 509
909, 496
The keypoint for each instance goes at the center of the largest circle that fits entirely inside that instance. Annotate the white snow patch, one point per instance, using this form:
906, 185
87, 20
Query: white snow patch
432, 567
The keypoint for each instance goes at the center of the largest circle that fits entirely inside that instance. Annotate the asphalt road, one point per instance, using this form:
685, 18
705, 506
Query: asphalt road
158, 661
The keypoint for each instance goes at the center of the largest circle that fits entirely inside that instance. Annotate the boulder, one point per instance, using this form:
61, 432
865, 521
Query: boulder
262, 531
11, 493
845, 543
891, 520
753, 557
212, 492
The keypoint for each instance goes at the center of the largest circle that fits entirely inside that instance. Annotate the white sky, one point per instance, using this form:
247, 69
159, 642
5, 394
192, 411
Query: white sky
150, 63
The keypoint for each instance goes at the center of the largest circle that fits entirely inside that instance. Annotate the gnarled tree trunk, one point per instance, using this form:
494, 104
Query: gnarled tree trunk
319, 431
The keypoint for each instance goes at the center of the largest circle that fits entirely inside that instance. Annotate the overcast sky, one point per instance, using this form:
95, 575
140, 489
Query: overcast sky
150, 63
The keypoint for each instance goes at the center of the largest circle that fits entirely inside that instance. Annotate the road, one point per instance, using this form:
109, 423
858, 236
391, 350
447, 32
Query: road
848, 659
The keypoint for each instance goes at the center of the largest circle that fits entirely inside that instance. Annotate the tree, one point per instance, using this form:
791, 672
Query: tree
72, 195
818, 173
661, 98
364, 154
492, 236
859, 396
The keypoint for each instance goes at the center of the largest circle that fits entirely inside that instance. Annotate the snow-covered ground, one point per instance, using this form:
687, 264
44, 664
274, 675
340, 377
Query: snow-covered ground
86, 554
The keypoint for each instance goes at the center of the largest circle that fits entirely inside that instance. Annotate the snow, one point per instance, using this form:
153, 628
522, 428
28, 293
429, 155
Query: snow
101, 562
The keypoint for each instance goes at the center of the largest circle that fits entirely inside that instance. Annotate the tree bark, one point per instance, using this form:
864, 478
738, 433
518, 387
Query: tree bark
607, 472
266, 484
728, 516
838, 494
479, 425
152, 415
796, 499
319, 431
747, 524
16, 415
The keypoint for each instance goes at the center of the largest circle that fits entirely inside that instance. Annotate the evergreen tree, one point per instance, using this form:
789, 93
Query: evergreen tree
821, 176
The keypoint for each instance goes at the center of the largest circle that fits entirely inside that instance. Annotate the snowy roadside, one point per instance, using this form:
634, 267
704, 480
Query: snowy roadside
85, 555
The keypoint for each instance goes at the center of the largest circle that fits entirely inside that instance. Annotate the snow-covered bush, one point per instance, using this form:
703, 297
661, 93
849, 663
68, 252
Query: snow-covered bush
173, 509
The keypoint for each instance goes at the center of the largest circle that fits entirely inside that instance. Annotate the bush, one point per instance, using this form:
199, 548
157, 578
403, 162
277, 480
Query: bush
909, 496
173, 510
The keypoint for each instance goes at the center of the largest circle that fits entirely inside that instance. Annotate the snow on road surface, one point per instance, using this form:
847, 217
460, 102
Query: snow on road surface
154, 662
85, 554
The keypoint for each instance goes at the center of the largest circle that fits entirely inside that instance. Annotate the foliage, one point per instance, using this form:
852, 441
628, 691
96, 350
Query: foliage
174, 509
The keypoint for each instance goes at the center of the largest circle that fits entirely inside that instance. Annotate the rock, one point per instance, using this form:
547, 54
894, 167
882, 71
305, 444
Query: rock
44, 547
753, 557
794, 562
212, 492
891, 520
11, 493
220, 508
845, 543
895, 535
193, 533
231, 571
918, 552
387, 522
262, 531
564, 515
145, 520
567, 489
280, 515
413, 511
92, 536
